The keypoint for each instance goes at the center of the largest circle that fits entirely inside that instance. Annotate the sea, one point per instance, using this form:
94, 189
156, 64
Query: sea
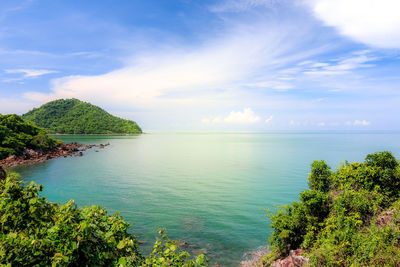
211, 190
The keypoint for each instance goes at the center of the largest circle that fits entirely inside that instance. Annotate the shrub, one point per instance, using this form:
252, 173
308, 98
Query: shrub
37, 232
349, 217
17, 135
319, 178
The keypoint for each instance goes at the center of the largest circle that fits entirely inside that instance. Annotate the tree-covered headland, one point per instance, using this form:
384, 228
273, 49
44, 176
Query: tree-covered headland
17, 135
72, 116
347, 217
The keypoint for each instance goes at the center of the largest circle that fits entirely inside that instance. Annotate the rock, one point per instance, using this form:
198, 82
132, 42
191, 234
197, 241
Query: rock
3, 174
34, 156
10, 158
293, 260
30, 153
254, 258
297, 259
385, 218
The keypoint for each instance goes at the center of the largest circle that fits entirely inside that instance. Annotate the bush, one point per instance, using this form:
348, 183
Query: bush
349, 217
165, 253
37, 232
17, 135
319, 178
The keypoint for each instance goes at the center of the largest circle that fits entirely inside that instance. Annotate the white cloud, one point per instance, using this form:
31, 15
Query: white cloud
321, 124
358, 123
269, 119
373, 22
30, 72
361, 122
247, 116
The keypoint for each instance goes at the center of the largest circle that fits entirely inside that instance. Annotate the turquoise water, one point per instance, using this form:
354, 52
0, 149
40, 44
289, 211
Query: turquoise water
208, 189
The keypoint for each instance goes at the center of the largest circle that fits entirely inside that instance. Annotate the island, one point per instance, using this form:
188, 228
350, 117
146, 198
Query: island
72, 116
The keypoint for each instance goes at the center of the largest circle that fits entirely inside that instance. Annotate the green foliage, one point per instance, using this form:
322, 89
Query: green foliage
165, 253
379, 173
35, 232
72, 116
319, 177
350, 216
16, 135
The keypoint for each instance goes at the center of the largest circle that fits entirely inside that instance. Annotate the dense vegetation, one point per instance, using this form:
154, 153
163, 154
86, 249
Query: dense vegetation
16, 135
35, 232
347, 217
72, 116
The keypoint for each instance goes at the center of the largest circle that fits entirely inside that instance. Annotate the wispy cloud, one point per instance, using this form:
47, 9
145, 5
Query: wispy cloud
30, 72
18, 6
358, 60
240, 5
250, 51
275, 85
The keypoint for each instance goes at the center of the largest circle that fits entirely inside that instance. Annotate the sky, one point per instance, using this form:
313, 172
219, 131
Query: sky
246, 65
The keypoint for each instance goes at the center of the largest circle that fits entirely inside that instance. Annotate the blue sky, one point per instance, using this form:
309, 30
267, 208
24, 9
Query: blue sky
208, 65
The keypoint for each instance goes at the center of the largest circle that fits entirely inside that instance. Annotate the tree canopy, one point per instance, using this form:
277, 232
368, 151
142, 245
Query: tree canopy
347, 217
17, 135
72, 116
36, 232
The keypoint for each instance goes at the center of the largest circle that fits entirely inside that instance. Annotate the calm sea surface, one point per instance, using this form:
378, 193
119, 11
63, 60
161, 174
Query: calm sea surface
208, 189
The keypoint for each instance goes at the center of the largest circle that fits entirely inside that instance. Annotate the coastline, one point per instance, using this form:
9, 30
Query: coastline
31, 156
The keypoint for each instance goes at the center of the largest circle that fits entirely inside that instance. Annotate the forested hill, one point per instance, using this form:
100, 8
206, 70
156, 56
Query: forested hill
72, 116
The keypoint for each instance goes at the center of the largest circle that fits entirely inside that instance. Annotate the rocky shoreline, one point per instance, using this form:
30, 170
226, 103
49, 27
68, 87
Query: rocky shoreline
294, 259
31, 156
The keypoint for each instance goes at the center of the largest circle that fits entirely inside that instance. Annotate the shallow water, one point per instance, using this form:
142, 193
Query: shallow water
208, 189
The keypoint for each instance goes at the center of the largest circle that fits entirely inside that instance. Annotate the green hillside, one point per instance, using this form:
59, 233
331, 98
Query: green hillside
16, 135
72, 116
